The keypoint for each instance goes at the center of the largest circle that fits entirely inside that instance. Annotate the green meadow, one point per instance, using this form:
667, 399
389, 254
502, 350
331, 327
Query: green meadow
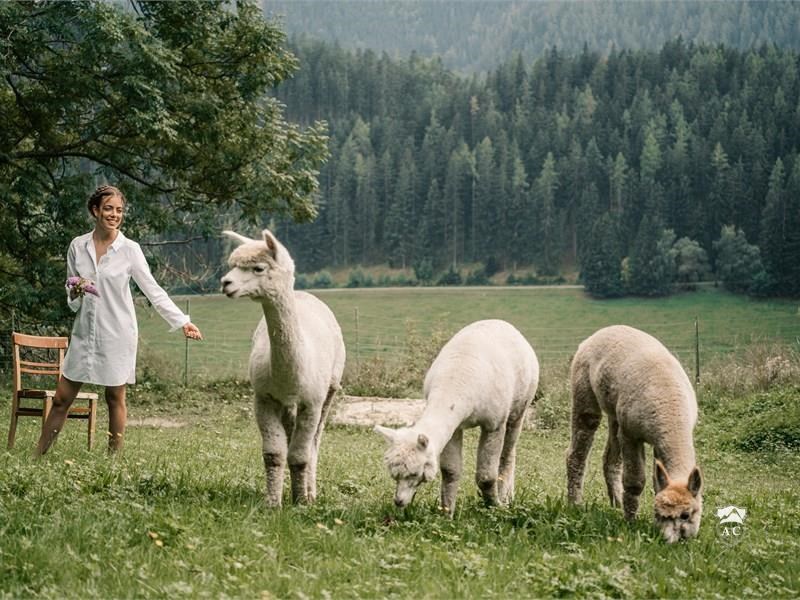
378, 322
180, 513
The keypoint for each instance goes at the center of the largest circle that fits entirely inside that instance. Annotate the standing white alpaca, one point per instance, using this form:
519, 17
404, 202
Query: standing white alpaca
485, 376
648, 398
296, 363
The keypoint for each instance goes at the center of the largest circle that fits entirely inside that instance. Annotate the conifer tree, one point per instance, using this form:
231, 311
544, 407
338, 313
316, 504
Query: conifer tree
488, 203
775, 221
401, 218
589, 211
718, 203
518, 232
791, 280
652, 260
601, 266
545, 189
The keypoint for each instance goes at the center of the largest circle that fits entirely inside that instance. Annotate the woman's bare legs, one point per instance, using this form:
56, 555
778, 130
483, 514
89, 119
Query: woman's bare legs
117, 417
66, 390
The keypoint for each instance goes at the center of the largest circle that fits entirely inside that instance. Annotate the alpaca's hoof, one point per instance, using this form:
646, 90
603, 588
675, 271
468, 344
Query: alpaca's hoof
488, 488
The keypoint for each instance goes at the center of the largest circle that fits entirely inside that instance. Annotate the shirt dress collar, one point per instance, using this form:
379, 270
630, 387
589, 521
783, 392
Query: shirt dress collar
118, 242
116, 245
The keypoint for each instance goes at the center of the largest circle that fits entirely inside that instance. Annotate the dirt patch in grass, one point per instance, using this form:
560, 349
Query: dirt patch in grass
370, 411
156, 422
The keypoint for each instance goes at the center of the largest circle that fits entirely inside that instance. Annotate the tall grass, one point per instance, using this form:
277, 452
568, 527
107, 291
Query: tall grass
399, 375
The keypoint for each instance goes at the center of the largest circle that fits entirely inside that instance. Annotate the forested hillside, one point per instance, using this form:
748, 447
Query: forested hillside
474, 36
569, 159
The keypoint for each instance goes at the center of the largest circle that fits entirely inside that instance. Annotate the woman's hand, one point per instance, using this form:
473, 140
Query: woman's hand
191, 331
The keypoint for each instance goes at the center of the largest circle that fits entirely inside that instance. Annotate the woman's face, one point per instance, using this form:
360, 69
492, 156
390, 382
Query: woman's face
109, 215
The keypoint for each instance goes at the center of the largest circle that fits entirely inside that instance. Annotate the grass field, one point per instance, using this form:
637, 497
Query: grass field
376, 322
181, 515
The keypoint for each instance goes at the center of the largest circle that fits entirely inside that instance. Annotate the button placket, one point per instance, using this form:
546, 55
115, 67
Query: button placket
92, 315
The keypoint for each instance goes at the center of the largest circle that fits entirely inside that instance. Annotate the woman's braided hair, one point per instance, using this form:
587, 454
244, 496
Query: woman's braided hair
102, 192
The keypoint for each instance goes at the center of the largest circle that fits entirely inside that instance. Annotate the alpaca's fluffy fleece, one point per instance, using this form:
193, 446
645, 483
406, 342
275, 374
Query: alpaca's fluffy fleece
642, 388
485, 376
296, 362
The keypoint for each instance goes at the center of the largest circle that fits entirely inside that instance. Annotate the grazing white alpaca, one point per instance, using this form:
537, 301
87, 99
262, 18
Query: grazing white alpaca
296, 363
485, 376
648, 398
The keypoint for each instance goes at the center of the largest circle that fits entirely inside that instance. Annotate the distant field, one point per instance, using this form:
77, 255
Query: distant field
554, 320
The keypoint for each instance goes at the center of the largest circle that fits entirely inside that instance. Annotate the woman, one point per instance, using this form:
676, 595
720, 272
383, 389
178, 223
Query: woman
102, 349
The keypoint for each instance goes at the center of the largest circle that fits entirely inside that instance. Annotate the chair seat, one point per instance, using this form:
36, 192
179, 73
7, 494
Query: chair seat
42, 394
75, 412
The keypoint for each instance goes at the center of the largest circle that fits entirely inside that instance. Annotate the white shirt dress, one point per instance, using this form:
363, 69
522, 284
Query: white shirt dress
105, 334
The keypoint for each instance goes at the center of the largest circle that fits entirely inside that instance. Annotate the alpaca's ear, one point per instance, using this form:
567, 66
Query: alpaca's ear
695, 482
388, 434
422, 441
278, 251
662, 479
273, 245
236, 237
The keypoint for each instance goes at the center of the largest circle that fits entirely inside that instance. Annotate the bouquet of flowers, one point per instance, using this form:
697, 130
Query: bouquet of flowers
82, 286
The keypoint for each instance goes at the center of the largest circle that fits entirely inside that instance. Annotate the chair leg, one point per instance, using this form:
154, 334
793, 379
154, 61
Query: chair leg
92, 417
12, 430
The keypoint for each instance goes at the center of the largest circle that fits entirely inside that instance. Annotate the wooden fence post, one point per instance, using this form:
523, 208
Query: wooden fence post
696, 351
186, 354
358, 349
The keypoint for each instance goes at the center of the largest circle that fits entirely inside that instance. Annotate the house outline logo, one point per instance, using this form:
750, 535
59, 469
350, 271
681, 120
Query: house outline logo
731, 527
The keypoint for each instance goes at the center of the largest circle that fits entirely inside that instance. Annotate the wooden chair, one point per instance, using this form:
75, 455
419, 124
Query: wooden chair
33, 357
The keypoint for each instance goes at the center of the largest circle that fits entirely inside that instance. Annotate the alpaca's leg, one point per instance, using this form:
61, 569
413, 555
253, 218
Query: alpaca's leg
612, 463
586, 416
508, 459
301, 450
312, 469
489, 448
274, 442
450, 463
633, 475
656, 456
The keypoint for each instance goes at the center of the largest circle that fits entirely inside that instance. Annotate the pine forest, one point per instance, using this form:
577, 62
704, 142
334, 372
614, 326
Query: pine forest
635, 168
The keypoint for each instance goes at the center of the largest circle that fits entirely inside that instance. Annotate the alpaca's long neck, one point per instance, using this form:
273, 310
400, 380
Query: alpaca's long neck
677, 455
283, 326
440, 419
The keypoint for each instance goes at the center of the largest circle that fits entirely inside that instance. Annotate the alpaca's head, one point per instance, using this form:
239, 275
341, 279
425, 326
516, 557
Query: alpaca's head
259, 268
678, 504
410, 460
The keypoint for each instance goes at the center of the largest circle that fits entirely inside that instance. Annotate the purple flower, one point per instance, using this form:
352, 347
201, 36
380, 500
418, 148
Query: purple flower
82, 286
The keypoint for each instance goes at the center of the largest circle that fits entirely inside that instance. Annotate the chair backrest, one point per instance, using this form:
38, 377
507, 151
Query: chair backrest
34, 363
